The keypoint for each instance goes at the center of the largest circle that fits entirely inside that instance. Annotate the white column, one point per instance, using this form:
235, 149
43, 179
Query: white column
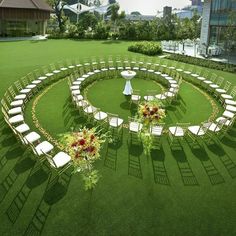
205, 29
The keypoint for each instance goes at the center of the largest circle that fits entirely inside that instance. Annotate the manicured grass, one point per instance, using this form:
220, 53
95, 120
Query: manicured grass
190, 191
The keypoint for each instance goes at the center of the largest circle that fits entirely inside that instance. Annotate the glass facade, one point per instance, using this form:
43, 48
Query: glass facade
220, 11
220, 19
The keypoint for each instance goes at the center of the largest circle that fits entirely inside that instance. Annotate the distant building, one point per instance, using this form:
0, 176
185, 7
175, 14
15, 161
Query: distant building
196, 2
23, 18
132, 17
167, 11
181, 14
215, 22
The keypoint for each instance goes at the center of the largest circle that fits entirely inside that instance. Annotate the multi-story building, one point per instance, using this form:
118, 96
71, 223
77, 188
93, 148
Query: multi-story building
23, 18
167, 11
218, 17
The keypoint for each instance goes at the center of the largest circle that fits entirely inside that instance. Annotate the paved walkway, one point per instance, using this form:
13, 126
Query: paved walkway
36, 38
189, 51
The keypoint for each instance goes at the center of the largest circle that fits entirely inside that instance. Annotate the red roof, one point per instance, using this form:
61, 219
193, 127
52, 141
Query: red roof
25, 4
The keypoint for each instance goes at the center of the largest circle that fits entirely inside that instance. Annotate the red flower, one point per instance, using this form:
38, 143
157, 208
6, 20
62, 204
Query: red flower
74, 144
82, 142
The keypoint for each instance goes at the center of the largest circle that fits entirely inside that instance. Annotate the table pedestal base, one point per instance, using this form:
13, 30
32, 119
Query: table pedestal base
128, 88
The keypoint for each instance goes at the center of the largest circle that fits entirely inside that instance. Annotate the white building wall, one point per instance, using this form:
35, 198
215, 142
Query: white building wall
205, 29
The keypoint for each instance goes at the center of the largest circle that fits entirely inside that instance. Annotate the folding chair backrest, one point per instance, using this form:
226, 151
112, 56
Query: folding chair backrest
233, 92
33, 149
37, 73
184, 126
4, 105
5, 113
205, 73
220, 81
18, 86
227, 86
11, 92
30, 77
213, 77
136, 92
25, 81
113, 117
8, 98
206, 125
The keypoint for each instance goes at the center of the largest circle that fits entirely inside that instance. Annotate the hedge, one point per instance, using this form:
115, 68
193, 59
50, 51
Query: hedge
203, 62
147, 48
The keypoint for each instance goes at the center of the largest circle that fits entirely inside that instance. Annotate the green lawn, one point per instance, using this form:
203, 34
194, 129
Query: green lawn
173, 192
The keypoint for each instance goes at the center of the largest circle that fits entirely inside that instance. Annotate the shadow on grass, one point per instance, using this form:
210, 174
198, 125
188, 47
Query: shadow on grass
158, 165
6, 131
10, 141
111, 42
55, 191
226, 160
185, 169
134, 165
213, 174
111, 155
37, 178
72, 117
24, 165
228, 141
16, 152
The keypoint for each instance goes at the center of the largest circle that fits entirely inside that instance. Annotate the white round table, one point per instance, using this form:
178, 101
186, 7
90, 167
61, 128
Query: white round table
128, 75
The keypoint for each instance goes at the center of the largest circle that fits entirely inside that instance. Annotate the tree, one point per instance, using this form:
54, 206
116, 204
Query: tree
111, 1
101, 31
58, 6
113, 11
135, 13
88, 20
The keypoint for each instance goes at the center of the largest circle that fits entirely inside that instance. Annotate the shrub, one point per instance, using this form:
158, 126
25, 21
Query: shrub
147, 48
203, 62
56, 36
101, 32
72, 31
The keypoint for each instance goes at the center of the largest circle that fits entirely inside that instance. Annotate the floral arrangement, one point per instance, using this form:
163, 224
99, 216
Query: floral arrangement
84, 148
151, 112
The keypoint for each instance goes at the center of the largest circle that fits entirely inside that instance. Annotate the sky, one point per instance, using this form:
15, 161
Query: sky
150, 7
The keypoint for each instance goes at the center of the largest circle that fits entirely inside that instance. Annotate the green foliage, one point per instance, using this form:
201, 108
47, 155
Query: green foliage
72, 31
101, 31
88, 20
204, 63
147, 48
92, 26
91, 179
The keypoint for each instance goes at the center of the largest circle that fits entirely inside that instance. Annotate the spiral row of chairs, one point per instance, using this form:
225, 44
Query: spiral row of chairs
213, 84
217, 87
17, 95
13, 106
97, 70
77, 82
